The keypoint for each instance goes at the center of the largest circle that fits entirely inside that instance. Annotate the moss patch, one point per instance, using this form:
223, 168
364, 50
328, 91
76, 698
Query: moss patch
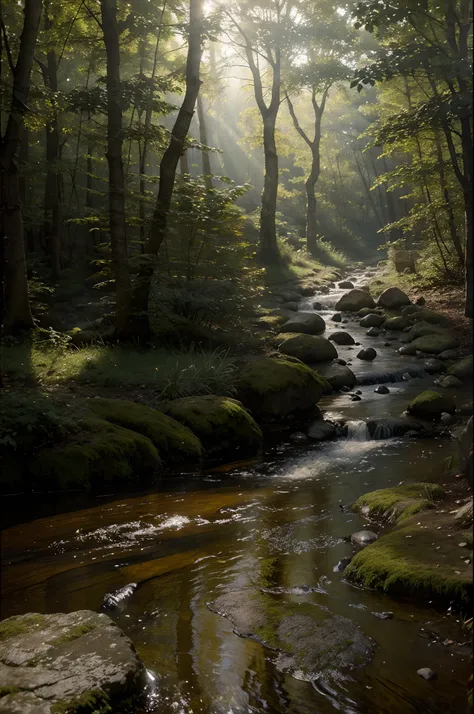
222, 424
175, 442
73, 634
8, 690
430, 404
94, 702
400, 503
273, 388
435, 344
414, 561
103, 454
20, 625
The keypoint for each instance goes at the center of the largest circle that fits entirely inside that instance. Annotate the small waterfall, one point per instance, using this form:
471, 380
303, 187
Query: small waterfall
393, 377
383, 431
357, 430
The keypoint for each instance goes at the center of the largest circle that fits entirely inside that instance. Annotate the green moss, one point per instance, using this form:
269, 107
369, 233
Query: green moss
307, 348
435, 344
402, 502
222, 424
462, 369
175, 442
8, 690
103, 454
94, 702
268, 568
20, 625
273, 388
430, 404
412, 561
73, 634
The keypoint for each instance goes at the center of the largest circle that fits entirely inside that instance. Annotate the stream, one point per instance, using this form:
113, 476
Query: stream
198, 535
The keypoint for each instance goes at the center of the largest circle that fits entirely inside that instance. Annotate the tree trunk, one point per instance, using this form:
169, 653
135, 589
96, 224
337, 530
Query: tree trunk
17, 314
118, 236
206, 159
447, 197
184, 163
268, 252
168, 167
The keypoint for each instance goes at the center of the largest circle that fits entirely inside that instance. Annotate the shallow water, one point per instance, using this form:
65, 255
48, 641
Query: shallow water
201, 535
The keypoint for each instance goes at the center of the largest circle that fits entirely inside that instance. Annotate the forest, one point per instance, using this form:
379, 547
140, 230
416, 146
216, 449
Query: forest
236, 364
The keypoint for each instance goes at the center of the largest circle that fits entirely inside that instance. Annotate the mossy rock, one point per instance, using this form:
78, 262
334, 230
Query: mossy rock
223, 425
307, 348
393, 298
396, 323
430, 405
355, 300
434, 318
434, 344
462, 369
414, 562
102, 454
274, 388
400, 503
421, 329
304, 323
176, 444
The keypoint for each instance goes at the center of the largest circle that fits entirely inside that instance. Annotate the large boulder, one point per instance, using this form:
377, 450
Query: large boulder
307, 348
422, 328
430, 405
393, 298
434, 344
354, 300
321, 430
338, 375
175, 443
304, 322
274, 388
425, 315
346, 285
75, 662
372, 320
462, 369
341, 338
223, 425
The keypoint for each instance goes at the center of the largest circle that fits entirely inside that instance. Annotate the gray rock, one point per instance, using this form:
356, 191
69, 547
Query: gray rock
354, 300
368, 354
346, 285
382, 389
317, 306
293, 306
450, 382
355, 398
383, 615
341, 565
372, 320
420, 301
113, 600
396, 323
426, 673
409, 309
433, 366
337, 317
341, 361
307, 348
449, 354
321, 430
305, 323
307, 290
290, 296
446, 418
341, 338
393, 298
363, 538
462, 369
338, 375
56, 659
298, 438
373, 332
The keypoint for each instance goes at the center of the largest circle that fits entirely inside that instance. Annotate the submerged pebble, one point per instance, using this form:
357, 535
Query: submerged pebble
427, 673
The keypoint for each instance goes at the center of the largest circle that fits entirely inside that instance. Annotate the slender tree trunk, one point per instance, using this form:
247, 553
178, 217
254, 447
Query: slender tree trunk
168, 167
17, 314
268, 248
368, 192
118, 236
447, 197
206, 159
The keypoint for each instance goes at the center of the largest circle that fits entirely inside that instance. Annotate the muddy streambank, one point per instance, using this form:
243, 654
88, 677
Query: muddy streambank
242, 561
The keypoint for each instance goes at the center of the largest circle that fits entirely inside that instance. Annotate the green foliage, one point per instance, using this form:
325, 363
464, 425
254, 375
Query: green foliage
95, 701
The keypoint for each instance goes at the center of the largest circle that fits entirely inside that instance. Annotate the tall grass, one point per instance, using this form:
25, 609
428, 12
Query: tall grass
168, 374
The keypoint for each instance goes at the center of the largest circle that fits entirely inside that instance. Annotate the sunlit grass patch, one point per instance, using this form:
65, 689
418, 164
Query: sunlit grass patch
169, 374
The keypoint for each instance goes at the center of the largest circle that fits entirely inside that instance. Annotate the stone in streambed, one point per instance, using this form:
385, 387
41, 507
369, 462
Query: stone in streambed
393, 298
409, 310
339, 376
430, 405
450, 382
367, 354
293, 306
396, 323
275, 388
346, 285
307, 348
446, 418
363, 538
304, 323
341, 338
373, 332
321, 430
420, 329
382, 389
426, 673
298, 437
372, 320
434, 366
317, 306
462, 369
80, 661
354, 300
383, 615
434, 344
449, 355
337, 317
